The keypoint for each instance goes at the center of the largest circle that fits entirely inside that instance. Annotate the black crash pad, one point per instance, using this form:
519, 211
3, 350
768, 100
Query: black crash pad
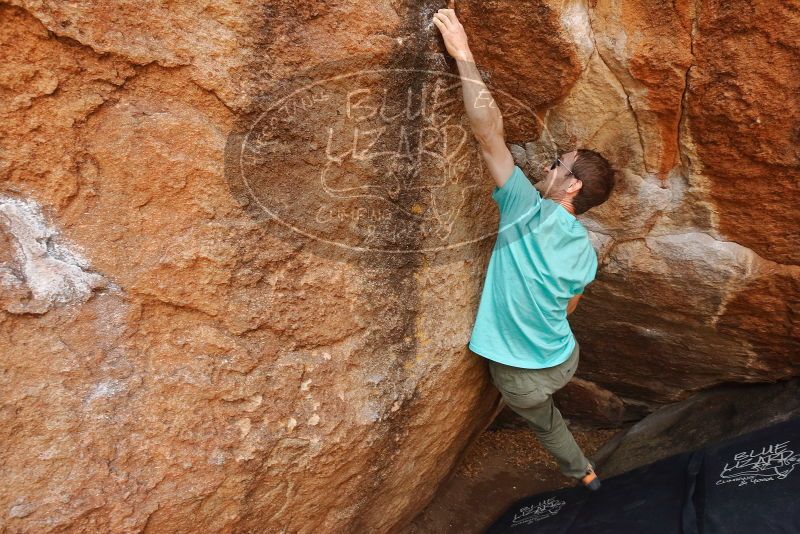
746, 484
752, 483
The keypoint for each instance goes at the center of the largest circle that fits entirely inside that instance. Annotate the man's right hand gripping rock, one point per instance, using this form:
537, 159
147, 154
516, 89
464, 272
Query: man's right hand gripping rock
455, 38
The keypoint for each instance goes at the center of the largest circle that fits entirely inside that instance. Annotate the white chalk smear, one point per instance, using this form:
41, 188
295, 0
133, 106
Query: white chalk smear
52, 272
106, 388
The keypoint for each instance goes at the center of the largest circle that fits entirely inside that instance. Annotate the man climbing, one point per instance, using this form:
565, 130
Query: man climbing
541, 262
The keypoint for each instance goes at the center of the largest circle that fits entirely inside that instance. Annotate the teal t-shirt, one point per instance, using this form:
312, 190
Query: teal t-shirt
541, 258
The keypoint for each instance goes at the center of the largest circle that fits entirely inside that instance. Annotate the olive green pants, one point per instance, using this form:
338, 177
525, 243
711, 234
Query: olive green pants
529, 392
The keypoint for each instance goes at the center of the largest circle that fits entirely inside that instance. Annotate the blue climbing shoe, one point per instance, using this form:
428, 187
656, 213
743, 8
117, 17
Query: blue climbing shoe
590, 479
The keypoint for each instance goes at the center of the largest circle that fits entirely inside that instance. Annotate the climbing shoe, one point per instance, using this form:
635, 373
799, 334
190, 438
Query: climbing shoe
590, 479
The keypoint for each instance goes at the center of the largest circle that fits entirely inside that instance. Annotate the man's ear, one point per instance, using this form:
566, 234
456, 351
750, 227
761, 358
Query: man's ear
575, 186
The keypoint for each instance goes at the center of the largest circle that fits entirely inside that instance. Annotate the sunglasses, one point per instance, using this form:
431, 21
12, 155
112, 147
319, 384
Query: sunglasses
559, 162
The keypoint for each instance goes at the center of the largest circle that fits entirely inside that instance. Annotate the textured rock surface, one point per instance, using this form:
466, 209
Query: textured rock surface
585, 401
173, 362
169, 363
701, 290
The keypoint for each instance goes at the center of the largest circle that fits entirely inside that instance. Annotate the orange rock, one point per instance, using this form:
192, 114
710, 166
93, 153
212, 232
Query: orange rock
177, 358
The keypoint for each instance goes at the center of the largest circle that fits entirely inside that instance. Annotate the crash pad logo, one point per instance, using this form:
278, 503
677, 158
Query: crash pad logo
774, 462
374, 160
531, 514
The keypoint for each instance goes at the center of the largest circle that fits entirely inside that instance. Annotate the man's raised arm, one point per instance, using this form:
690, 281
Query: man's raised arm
484, 115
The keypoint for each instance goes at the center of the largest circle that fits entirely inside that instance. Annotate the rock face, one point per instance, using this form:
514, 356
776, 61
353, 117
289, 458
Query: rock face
200, 334
703, 288
683, 426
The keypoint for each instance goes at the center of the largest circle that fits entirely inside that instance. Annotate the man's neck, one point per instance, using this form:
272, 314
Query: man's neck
567, 203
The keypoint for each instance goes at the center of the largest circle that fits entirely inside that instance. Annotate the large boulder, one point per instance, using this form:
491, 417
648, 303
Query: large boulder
170, 361
698, 284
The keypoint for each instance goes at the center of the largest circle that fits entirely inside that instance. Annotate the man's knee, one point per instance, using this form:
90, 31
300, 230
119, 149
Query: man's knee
539, 417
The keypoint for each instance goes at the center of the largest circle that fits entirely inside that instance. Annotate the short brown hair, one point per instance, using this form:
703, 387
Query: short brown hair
597, 176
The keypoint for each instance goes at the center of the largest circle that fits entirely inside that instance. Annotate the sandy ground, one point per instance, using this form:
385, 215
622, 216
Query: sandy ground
502, 466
